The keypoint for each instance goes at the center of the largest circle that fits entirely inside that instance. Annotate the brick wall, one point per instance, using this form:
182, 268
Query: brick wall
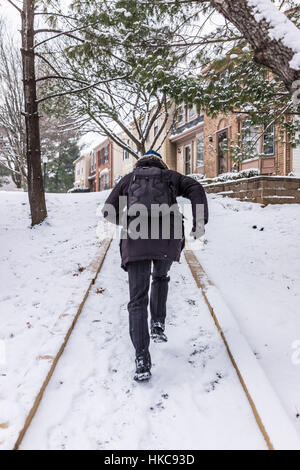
279, 163
211, 128
261, 189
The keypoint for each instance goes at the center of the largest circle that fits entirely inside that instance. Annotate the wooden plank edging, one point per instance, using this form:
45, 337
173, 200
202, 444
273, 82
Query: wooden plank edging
202, 281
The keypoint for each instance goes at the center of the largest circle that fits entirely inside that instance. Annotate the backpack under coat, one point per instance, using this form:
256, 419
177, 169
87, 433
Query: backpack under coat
178, 185
150, 186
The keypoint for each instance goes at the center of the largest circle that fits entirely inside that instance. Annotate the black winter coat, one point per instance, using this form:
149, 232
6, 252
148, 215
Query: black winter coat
141, 249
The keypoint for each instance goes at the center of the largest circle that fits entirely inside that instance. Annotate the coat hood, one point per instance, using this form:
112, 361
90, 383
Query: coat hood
151, 160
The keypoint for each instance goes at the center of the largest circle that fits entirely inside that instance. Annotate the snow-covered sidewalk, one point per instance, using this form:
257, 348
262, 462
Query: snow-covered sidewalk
193, 401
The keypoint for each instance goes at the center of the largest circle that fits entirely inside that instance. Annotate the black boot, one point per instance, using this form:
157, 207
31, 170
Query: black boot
143, 366
157, 332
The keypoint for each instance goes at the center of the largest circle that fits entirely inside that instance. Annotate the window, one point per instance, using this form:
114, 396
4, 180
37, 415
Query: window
105, 155
78, 169
192, 112
200, 151
252, 135
104, 181
99, 158
187, 159
225, 76
93, 163
180, 114
125, 152
155, 129
269, 140
250, 139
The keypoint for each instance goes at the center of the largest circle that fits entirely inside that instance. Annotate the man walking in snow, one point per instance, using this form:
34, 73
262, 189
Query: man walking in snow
152, 240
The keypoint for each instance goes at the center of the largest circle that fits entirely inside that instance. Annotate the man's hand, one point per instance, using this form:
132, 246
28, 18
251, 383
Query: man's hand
198, 230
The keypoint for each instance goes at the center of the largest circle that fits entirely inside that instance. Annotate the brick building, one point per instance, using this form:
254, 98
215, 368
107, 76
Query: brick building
199, 142
187, 141
274, 153
104, 165
195, 144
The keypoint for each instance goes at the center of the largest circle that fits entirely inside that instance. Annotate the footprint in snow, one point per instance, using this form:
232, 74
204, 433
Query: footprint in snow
158, 407
200, 355
191, 301
212, 385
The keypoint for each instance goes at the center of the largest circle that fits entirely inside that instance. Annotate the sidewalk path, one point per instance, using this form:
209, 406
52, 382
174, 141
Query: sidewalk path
193, 401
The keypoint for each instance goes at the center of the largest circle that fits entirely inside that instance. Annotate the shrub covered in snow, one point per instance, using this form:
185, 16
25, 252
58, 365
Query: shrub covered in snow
230, 176
197, 176
236, 175
79, 190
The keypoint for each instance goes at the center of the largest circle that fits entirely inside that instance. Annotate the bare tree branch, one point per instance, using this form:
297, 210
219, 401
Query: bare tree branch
78, 90
15, 6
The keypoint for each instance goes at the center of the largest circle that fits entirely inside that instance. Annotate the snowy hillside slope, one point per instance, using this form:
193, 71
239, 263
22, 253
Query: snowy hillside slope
44, 274
257, 271
43, 277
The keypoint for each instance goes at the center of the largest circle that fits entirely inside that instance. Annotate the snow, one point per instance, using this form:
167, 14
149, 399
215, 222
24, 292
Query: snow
193, 395
282, 28
41, 285
194, 399
124, 11
281, 432
231, 176
89, 141
257, 272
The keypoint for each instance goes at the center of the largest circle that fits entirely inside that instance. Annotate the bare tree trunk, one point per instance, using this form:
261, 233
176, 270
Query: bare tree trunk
17, 179
267, 51
36, 192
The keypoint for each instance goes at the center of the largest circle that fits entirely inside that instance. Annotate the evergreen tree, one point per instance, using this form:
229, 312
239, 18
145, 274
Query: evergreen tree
60, 168
3, 174
159, 52
125, 47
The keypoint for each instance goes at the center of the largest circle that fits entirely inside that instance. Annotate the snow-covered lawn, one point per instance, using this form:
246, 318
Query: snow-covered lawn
194, 399
257, 271
44, 274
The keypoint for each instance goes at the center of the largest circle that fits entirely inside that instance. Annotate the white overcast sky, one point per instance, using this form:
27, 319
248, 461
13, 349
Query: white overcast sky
8, 12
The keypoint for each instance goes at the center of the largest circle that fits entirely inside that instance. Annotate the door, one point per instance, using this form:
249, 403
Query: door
187, 159
222, 155
296, 157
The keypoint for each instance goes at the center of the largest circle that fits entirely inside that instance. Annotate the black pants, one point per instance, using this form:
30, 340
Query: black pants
139, 273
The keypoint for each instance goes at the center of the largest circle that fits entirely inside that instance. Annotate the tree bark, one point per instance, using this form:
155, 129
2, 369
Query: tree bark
267, 51
36, 192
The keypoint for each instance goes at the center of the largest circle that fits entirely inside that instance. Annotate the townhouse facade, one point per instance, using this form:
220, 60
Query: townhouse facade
201, 142
101, 166
82, 171
273, 153
187, 141
195, 144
